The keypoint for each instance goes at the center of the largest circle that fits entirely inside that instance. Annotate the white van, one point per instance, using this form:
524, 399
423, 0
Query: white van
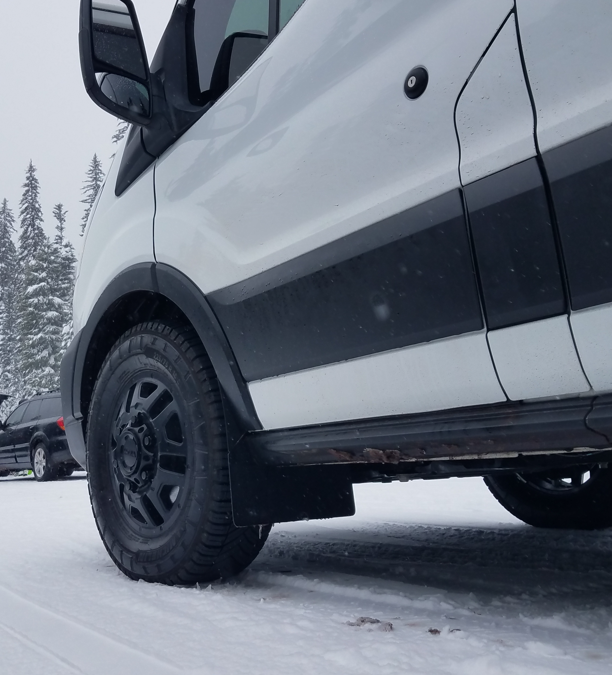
344, 241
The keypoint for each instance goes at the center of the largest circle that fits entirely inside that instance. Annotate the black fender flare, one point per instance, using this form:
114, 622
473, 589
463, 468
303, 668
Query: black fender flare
171, 284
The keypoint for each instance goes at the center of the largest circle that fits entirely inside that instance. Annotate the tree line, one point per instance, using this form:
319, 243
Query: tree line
36, 285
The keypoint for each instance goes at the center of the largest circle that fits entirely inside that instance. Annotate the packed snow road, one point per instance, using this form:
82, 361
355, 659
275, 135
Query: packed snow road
428, 578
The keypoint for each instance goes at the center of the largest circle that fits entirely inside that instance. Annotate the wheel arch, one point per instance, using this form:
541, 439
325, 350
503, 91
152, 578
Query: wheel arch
147, 292
38, 439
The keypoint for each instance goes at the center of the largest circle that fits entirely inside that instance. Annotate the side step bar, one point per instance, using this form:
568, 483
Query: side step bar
295, 474
505, 430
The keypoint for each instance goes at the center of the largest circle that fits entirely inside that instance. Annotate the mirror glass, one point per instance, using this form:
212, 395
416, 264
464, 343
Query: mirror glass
125, 92
246, 49
116, 44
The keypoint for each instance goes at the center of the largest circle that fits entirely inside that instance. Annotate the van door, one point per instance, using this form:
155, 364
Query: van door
515, 242
568, 52
319, 208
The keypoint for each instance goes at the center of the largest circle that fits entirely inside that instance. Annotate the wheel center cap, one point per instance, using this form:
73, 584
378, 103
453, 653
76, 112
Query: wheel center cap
130, 451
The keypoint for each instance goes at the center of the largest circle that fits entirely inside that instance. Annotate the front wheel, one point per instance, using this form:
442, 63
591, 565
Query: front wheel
157, 462
578, 498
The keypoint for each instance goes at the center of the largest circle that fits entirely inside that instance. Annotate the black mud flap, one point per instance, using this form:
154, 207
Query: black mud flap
264, 494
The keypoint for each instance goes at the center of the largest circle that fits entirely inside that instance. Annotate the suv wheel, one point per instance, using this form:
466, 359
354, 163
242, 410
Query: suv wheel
157, 462
64, 471
43, 471
577, 498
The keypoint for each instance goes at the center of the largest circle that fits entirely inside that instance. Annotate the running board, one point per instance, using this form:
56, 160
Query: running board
505, 430
291, 474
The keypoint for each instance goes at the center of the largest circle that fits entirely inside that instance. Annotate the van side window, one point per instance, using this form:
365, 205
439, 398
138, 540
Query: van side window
228, 36
287, 9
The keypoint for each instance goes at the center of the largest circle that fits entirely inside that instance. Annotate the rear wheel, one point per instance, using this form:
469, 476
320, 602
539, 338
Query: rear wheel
41, 466
574, 497
65, 471
157, 462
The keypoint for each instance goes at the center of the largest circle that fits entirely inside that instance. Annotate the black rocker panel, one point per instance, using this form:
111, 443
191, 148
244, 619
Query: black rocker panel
400, 282
515, 246
580, 174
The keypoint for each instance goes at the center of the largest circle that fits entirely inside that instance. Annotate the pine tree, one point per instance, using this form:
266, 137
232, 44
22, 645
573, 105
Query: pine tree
40, 323
32, 235
60, 214
64, 262
91, 187
8, 306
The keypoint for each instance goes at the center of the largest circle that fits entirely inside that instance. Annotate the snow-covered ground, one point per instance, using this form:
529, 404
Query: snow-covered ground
428, 578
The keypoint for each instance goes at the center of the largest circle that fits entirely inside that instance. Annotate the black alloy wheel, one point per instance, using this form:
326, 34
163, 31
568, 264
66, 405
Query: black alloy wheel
578, 497
149, 456
157, 462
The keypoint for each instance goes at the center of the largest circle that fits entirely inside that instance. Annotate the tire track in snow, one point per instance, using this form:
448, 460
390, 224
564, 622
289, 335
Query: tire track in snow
75, 647
41, 651
516, 561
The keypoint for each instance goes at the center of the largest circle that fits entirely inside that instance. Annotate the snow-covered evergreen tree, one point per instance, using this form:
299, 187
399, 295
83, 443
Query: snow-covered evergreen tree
9, 268
40, 323
60, 214
64, 261
91, 187
32, 235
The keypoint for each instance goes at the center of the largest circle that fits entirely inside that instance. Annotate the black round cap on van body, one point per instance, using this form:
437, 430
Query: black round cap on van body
416, 82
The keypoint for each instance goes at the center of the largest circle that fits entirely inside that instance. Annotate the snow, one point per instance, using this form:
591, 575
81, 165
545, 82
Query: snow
428, 578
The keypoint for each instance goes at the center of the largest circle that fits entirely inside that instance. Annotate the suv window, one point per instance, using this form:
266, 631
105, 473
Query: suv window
287, 9
16, 415
51, 407
33, 411
228, 36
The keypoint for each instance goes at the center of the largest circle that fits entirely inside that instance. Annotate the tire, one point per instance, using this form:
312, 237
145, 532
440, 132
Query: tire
41, 466
157, 462
4, 473
578, 498
65, 471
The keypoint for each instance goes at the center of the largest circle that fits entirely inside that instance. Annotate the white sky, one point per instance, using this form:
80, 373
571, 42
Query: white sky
45, 114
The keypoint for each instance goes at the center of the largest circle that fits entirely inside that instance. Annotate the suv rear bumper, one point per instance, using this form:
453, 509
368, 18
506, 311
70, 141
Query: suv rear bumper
73, 418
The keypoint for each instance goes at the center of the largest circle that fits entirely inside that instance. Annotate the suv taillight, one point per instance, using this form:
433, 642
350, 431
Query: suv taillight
60, 424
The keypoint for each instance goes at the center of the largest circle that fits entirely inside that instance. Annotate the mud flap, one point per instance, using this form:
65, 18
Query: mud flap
264, 494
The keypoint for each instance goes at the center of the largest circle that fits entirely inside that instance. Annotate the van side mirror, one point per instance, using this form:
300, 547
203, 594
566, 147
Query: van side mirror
114, 61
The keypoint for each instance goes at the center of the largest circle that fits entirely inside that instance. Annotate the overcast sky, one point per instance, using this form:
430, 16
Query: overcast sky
45, 114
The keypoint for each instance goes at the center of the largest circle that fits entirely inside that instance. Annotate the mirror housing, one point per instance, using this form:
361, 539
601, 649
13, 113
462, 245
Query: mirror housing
113, 60
237, 53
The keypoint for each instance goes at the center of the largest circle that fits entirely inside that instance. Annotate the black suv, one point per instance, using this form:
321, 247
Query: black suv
33, 437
